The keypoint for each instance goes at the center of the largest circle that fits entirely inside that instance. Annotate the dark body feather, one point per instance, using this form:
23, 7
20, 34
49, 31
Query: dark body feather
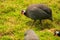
38, 12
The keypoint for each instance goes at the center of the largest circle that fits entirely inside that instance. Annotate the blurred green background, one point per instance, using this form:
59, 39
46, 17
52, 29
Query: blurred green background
13, 25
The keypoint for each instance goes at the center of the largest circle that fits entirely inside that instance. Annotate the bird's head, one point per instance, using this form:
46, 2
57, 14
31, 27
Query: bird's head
57, 32
23, 12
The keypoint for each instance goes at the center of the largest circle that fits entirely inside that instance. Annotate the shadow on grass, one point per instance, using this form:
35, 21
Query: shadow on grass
38, 26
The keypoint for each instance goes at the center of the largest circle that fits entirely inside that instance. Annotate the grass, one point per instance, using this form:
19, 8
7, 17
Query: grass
13, 25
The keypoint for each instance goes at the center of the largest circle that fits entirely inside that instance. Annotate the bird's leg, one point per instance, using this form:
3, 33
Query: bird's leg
40, 22
33, 22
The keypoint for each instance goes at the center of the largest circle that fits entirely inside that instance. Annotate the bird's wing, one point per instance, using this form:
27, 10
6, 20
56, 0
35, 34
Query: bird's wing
39, 12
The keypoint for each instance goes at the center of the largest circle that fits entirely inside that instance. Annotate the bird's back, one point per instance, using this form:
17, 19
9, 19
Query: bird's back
36, 13
41, 6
